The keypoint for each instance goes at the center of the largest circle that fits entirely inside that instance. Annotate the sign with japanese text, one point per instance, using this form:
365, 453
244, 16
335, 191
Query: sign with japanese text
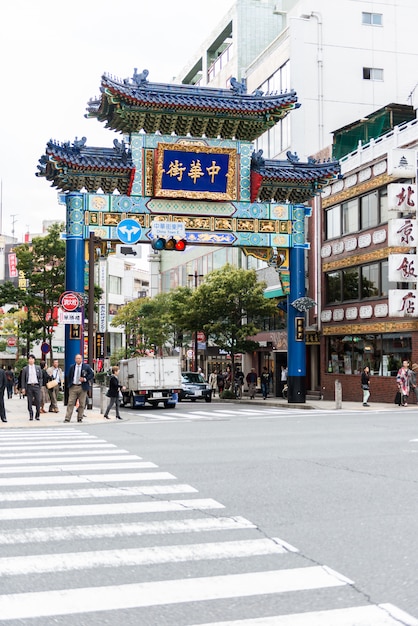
299, 328
196, 171
168, 229
69, 317
402, 232
102, 318
403, 303
403, 268
13, 273
402, 197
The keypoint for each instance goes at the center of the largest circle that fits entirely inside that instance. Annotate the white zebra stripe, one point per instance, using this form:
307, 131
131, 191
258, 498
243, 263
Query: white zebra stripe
70, 459
63, 453
114, 492
56, 446
379, 615
136, 595
74, 561
120, 508
78, 467
85, 479
97, 531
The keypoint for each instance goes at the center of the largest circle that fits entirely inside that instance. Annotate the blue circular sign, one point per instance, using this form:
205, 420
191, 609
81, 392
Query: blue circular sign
129, 231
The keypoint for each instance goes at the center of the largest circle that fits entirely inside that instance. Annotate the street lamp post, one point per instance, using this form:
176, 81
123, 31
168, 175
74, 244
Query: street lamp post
196, 277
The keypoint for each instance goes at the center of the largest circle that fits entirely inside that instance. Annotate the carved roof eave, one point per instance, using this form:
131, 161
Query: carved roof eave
76, 167
291, 181
186, 109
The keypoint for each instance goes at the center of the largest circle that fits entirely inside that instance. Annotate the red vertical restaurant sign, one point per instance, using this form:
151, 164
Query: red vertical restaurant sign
12, 265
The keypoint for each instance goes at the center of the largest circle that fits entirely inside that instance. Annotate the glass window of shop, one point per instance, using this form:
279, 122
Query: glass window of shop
383, 354
359, 213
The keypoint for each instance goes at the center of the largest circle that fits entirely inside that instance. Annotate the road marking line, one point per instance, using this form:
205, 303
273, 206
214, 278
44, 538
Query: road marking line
379, 615
113, 492
63, 453
78, 467
85, 479
136, 595
54, 446
96, 531
126, 557
119, 508
71, 459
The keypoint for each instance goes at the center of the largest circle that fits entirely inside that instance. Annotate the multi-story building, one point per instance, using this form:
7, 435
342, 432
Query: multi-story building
367, 258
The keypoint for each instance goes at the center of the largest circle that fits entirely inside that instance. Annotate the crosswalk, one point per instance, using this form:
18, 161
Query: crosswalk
93, 534
211, 414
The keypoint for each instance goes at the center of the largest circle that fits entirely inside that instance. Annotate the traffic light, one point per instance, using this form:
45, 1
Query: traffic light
168, 244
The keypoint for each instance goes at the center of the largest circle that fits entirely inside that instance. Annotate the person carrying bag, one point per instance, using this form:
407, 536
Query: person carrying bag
113, 393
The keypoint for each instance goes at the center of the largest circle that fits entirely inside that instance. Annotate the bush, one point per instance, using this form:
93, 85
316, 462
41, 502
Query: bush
227, 394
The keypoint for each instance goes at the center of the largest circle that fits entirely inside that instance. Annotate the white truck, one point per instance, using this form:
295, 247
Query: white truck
150, 379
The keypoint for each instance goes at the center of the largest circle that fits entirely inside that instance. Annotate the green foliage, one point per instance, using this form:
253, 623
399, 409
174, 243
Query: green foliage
227, 394
42, 264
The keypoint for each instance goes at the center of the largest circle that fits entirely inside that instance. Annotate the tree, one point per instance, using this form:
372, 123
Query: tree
42, 264
229, 306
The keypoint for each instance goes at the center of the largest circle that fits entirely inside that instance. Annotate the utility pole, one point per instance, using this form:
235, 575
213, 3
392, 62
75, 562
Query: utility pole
196, 277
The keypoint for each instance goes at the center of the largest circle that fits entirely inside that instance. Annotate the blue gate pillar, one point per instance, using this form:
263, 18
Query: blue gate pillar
296, 377
74, 270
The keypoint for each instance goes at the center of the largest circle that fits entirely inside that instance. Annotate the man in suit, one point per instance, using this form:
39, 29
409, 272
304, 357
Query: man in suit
31, 386
78, 382
3, 381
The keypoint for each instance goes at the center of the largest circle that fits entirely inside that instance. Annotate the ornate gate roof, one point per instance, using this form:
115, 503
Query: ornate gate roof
134, 104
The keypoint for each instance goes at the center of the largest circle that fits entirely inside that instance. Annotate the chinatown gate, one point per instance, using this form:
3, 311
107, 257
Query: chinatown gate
186, 167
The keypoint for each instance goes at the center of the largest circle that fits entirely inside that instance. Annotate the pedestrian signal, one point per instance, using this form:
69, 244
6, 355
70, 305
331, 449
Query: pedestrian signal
168, 244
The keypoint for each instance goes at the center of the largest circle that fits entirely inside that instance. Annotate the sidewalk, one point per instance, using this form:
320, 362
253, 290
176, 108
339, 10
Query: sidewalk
18, 417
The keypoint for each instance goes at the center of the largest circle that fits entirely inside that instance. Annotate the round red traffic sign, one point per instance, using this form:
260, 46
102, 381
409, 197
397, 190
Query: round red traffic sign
69, 301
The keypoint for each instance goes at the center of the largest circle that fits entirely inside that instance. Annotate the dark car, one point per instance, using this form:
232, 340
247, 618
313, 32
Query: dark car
194, 387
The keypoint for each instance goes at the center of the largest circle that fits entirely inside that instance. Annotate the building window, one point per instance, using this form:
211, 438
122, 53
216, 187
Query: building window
357, 214
360, 283
383, 354
372, 19
115, 285
372, 73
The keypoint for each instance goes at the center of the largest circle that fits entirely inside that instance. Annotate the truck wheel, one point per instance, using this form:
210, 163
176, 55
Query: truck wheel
131, 401
208, 398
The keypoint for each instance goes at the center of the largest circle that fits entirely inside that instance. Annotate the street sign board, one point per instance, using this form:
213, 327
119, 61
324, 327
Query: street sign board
168, 229
69, 317
69, 301
129, 231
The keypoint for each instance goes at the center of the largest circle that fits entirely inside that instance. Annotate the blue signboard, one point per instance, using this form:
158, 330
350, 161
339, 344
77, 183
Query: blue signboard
129, 231
196, 172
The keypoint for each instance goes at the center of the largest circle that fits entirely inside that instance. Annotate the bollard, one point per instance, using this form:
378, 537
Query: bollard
338, 395
102, 399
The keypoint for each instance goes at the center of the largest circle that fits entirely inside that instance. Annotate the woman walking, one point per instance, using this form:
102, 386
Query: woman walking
403, 381
365, 385
113, 393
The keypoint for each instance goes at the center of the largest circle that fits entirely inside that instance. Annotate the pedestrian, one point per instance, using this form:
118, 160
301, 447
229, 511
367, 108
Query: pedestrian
365, 385
56, 376
213, 377
113, 393
79, 377
44, 390
403, 380
220, 381
3, 383
251, 379
238, 381
283, 377
228, 377
10, 379
31, 386
265, 382
413, 378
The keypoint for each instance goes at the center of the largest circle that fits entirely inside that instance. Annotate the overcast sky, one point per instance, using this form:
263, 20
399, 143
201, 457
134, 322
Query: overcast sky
52, 56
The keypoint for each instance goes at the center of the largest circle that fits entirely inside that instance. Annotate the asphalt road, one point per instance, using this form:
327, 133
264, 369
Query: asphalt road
300, 512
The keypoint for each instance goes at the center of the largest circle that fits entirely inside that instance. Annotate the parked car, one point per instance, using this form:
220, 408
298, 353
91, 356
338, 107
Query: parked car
194, 387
